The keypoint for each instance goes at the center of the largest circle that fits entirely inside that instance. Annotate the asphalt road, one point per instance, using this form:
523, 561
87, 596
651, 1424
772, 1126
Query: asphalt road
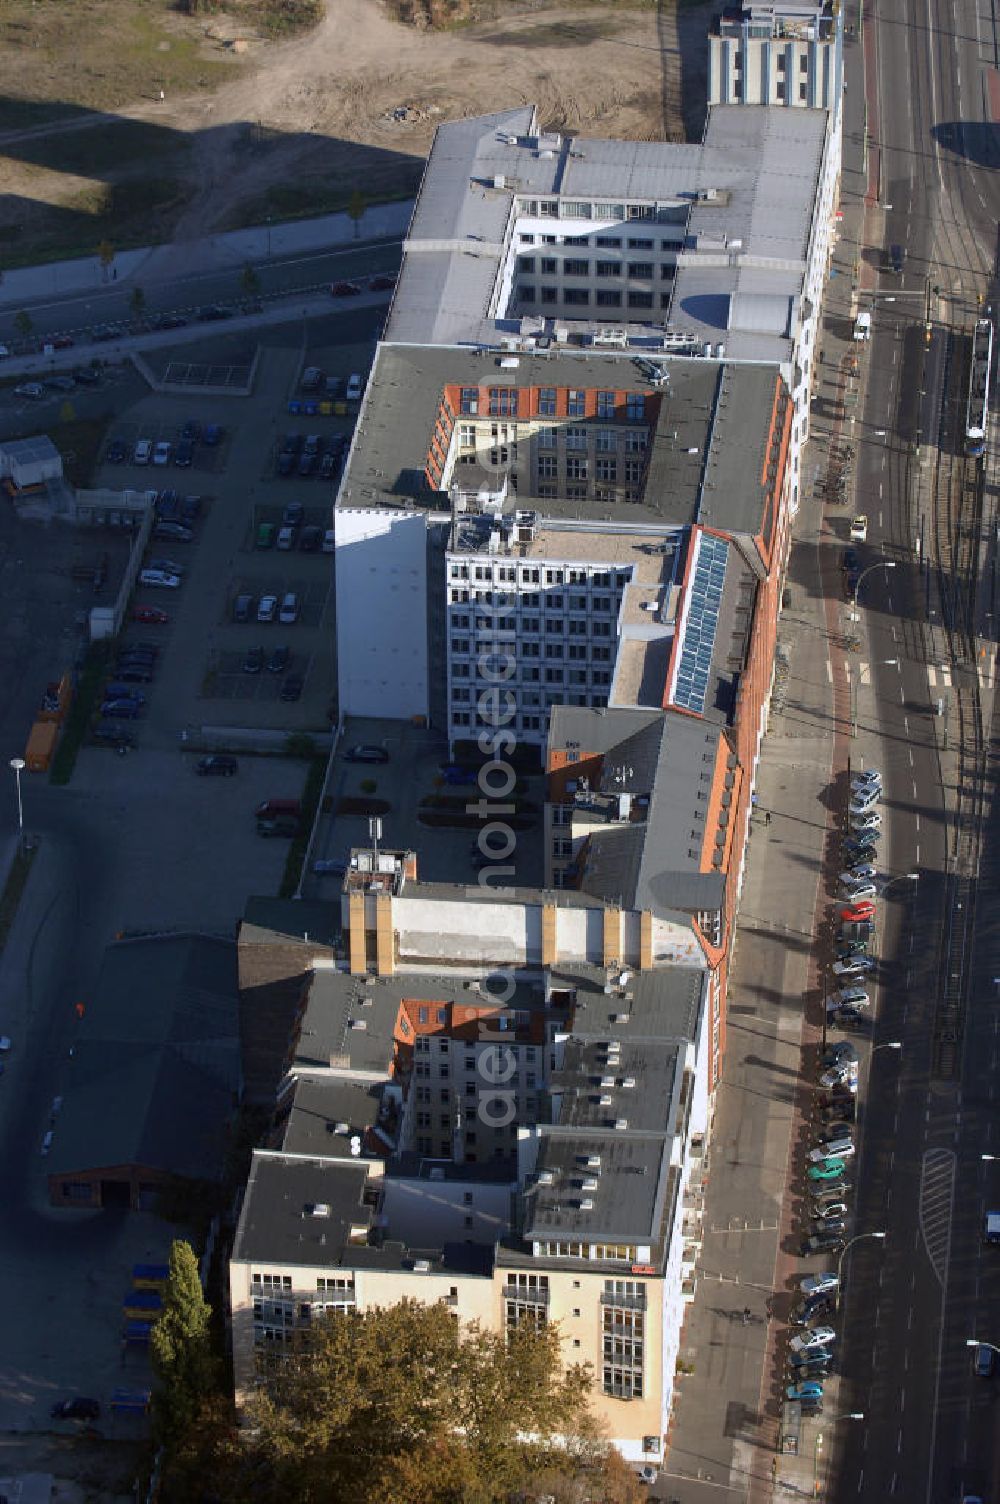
930, 1428
307, 271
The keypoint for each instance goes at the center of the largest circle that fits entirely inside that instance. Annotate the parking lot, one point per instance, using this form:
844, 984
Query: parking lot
222, 535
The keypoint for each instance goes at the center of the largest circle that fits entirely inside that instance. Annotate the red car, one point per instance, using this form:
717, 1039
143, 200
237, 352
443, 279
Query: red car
345, 289
151, 615
61, 341
858, 912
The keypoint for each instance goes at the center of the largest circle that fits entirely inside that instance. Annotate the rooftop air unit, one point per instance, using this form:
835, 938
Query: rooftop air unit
593, 1161
621, 1124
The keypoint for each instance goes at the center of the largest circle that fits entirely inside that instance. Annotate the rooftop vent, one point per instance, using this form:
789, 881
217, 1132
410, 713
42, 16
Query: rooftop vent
587, 1204
593, 1161
317, 1209
607, 1081
605, 1099
421, 1266
590, 1183
545, 1177
342, 1128
629, 1083
359, 1023
621, 1124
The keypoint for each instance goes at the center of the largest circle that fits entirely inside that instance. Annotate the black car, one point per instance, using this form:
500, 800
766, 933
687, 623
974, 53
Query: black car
291, 443
191, 430
79, 1408
312, 379
308, 463
278, 825
382, 282
327, 467
366, 753
115, 736
133, 673
212, 312
285, 464
169, 321
166, 506
897, 258
837, 1053
254, 661
850, 559
345, 289
191, 509
184, 453
821, 1242
217, 766
811, 1368
292, 687
212, 434
311, 539
87, 375
117, 452
103, 332
293, 514
175, 532
278, 661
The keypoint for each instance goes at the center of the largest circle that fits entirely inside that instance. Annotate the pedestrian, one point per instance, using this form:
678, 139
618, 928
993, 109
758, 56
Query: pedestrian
162, 96
746, 1315
767, 817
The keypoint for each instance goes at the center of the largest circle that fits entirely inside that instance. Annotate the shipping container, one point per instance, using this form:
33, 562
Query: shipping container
41, 746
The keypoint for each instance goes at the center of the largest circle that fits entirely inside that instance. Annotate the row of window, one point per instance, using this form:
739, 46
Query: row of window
463, 718
464, 647
555, 626
579, 297
532, 575
505, 402
581, 266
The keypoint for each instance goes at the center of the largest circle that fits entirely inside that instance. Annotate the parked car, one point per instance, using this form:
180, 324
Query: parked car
254, 660
293, 514
849, 997
864, 909
190, 509
286, 538
365, 752
854, 966
212, 434
115, 736
307, 464
266, 534
866, 775
862, 801
345, 289
31, 389
213, 312
117, 452
327, 467
815, 1284
810, 1390
161, 454
184, 454
870, 820
150, 616
173, 530
329, 541
983, 1361
840, 1053
821, 1242
169, 321
381, 282
354, 386
160, 578
87, 375
79, 1408
839, 1148
806, 1365
289, 611
167, 566
267, 608
310, 540
820, 1336
216, 766
121, 710
863, 872
311, 380
278, 661
292, 688
143, 452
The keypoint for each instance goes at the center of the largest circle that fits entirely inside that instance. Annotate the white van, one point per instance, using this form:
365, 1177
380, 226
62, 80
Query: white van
143, 451
863, 326
353, 393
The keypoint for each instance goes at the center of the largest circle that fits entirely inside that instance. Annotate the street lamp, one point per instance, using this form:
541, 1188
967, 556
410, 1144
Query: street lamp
817, 1449
904, 877
846, 1250
989, 1158
881, 564
17, 763
856, 684
978, 1342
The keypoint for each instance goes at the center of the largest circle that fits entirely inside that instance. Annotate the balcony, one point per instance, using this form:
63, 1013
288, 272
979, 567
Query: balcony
624, 1302
532, 1297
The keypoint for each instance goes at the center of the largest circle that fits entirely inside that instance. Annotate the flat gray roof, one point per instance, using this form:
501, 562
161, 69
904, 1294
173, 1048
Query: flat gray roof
701, 411
327, 1112
626, 1201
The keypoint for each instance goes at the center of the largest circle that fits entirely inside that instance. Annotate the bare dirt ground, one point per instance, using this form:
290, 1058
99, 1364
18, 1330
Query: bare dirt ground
352, 106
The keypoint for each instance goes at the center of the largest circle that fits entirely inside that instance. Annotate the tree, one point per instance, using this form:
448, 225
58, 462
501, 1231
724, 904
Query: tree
356, 207
181, 1348
401, 1405
105, 255
137, 303
23, 323
250, 281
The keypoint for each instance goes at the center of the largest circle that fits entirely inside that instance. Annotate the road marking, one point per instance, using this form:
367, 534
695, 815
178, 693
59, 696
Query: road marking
892, 1485
912, 942
902, 697
917, 857
914, 790
937, 1192
910, 750
931, 675
899, 1440
829, 670
917, 818
909, 1322
906, 722
861, 1480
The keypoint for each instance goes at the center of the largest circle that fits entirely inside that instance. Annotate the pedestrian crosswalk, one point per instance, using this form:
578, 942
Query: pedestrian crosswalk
939, 675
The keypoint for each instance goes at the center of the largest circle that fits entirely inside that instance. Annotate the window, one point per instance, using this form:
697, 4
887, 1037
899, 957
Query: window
607, 441
635, 405
576, 467
639, 245
549, 295
548, 209
576, 296
605, 404
526, 292
576, 438
575, 266
608, 242
609, 269
607, 469
547, 467
642, 269
633, 471
636, 440
803, 65
470, 399
546, 438
549, 266
553, 650
576, 405
547, 406
503, 401
802, 91
782, 60
526, 239
608, 297
526, 264
573, 210
640, 300
779, 89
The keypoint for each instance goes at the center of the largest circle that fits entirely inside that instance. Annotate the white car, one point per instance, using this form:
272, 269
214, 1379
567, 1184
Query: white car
818, 1284
159, 577
851, 997
820, 1336
840, 1075
854, 966
859, 874
862, 803
837, 1148
289, 609
143, 452
867, 775
161, 454
4, 1044
267, 608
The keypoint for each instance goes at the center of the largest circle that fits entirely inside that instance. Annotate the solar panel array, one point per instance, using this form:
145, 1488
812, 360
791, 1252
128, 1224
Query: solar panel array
695, 665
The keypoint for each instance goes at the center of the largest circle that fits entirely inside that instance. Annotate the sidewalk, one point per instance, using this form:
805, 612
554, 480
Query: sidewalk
236, 248
725, 1435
